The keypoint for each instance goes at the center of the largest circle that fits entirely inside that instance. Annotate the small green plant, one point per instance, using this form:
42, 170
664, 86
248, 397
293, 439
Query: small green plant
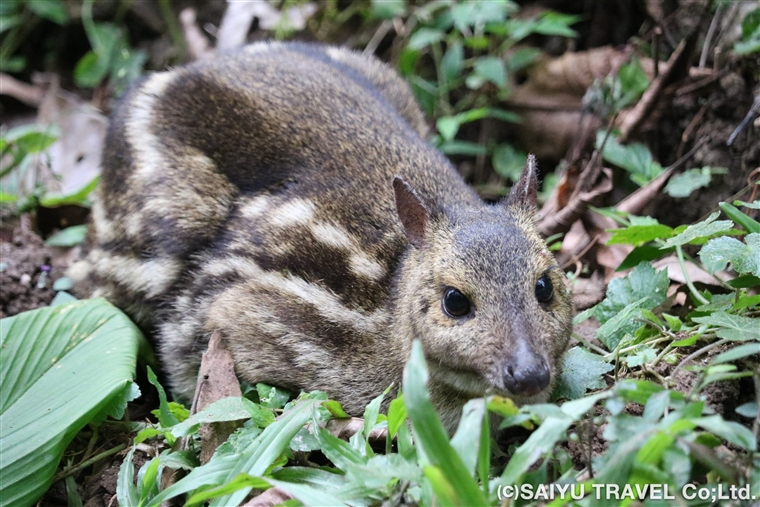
750, 40
110, 57
18, 18
48, 360
470, 46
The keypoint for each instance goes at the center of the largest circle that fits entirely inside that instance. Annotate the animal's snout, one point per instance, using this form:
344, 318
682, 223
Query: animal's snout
526, 373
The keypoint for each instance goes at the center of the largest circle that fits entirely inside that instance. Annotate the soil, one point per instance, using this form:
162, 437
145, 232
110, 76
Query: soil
28, 271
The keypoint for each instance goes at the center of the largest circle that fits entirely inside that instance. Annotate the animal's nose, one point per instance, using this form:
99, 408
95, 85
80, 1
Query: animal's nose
526, 374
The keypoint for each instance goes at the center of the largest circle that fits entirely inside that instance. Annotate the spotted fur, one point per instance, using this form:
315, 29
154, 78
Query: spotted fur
252, 194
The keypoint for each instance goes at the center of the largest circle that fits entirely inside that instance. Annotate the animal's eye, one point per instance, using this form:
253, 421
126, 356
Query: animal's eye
544, 289
455, 304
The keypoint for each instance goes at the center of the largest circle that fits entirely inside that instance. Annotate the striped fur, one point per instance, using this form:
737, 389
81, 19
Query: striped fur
251, 194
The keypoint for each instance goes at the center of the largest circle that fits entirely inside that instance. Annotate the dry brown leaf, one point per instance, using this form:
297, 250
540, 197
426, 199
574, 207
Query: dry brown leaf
269, 498
346, 428
198, 45
74, 159
29, 94
216, 380
696, 274
588, 291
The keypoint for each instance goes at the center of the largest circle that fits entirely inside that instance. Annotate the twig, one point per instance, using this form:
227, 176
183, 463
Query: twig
689, 283
696, 354
709, 36
751, 114
85, 464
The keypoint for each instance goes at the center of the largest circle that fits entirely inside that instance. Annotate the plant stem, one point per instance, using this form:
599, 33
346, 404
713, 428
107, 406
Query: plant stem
694, 292
85, 464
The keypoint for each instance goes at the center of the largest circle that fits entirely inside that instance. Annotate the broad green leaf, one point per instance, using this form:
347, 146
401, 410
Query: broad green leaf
633, 82
452, 61
254, 459
702, 229
448, 126
466, 440
452, 484
682, 185
744, 258
126, 491
456, 147
49, 9
644, 253
272, 397
539, 443
732, 327
634, 158
80, 197
554, 23
728, 430
48, 360
424, 37
389, 9
233, 408
639, 234
749, 224
508, 162
491, 68
735, 353
90, 70
70, 236
581, 371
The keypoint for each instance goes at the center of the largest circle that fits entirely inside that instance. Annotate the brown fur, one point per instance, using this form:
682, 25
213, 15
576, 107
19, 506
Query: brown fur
251, 194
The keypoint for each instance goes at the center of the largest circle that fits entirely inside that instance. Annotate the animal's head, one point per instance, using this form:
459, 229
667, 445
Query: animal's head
484, 294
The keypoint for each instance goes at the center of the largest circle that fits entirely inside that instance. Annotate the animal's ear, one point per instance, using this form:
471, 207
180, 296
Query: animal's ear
523, 192
412, 211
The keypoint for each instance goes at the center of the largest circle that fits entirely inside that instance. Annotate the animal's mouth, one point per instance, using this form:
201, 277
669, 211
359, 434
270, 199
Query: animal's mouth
472, 384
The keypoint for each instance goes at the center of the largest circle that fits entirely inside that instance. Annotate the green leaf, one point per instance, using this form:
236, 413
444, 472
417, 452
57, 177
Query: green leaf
234, 408
448, 126
164, 414
744, 258
80, 197
70, 236
634, 158
682, 185
749, 224
53, 10
508, 162
732, 327
736, 353
272, 397
729, 431
48, 360
466, 440
642, 284
389, 9
581, 371
90, 70
453, 484
7, 198
126, 491
633, 82
539, 443
644, 253
456, 147
639, 234
425, 37
702, 229
554, 23
452, 61
254, 459
521, 58
491, 68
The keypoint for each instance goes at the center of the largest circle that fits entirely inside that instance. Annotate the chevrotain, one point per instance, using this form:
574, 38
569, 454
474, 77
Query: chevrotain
285, 195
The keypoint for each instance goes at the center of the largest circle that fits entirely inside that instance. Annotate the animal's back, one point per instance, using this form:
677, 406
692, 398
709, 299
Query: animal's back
255, 141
